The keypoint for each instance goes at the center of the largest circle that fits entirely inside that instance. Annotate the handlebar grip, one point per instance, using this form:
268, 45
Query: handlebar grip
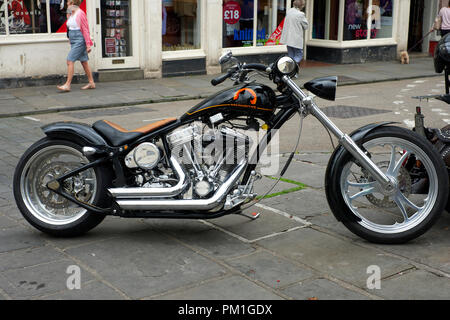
257, 66
220, 79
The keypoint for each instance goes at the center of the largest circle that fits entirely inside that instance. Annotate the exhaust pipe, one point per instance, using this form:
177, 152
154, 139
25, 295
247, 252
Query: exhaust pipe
154, 192
196, 204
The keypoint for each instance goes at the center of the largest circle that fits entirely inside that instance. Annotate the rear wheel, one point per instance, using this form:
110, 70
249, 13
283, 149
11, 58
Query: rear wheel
420, 195
47, 211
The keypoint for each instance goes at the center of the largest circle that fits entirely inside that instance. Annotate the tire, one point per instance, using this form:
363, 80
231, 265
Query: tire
38, 205
356, 198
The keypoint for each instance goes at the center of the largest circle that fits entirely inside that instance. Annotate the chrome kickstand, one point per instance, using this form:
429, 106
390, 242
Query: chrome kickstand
251, 217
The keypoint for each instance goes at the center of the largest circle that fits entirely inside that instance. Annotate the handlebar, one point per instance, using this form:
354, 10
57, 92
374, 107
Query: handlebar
256, 66
249, 66
221, 78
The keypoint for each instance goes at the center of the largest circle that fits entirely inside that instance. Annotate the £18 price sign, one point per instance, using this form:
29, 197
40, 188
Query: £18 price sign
231, 12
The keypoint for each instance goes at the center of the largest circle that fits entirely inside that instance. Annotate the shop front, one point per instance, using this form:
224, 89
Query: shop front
354, 31
183, 37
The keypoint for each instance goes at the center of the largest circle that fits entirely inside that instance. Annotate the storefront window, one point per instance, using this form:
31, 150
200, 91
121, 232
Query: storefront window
355, 19
116, 24
238, 22
363, 15
325, 19
31, 16
270, 15
181, 25
382, 19
2, 17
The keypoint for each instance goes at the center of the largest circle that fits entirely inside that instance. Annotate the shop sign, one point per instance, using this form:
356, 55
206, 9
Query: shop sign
231, 12
274, 38
110, 45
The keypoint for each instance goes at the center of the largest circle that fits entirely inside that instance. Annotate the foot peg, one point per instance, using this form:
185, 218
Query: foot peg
253, 216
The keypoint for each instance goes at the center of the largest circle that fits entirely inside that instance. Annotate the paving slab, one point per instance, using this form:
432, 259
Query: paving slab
304, 203
146, 263
94, 290
10, 209
267, 224
310, 174
321, 289
231, 288
329, 222
203, 237
40, 280
267, 268
416, 285
19, 238
431, 249
111, 227
331, 255
320, 159
6, 222
28, 257
266, 184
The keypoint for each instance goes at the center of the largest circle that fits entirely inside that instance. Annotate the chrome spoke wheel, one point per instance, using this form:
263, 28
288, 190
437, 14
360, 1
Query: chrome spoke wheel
416, 186
46, 165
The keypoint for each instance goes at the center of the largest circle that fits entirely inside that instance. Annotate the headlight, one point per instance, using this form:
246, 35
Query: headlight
287, 65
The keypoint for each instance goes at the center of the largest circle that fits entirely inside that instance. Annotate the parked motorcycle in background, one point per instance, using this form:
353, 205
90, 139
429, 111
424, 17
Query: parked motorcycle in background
203, 165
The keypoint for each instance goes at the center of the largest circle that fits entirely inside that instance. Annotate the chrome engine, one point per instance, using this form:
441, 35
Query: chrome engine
208, 156
207, 166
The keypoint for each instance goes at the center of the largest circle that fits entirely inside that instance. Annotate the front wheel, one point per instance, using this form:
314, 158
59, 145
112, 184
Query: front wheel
366, 209
47, 211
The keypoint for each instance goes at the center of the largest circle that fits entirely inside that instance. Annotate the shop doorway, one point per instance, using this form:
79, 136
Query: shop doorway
416, 24
117, 34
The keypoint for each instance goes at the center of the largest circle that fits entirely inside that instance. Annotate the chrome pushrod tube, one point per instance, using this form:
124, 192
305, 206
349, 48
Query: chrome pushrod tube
345, 140
155, 192
187, 204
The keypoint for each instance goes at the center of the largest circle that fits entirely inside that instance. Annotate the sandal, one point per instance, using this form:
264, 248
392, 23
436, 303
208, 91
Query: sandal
88, 86
63, 88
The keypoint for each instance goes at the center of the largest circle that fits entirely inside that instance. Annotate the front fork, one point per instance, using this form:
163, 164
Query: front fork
344, 139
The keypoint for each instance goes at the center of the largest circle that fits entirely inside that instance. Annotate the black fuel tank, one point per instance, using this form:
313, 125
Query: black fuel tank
253, 99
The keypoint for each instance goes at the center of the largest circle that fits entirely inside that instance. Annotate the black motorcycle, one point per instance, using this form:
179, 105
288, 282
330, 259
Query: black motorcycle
204, 165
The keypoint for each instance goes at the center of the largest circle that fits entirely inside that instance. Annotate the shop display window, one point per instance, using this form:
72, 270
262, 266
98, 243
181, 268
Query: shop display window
239, 22
181, 25
31, 16
368, 19
325, 19
116, 28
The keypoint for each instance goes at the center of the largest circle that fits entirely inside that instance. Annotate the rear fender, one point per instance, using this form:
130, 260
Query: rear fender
80, 133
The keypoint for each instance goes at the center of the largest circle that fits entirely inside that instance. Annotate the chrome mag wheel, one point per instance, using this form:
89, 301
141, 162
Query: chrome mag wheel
45, 165
416, 187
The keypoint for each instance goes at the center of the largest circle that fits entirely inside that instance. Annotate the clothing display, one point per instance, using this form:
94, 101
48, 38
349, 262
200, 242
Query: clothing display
116, 28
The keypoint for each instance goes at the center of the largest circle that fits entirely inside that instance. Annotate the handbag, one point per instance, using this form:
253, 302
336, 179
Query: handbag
437, 23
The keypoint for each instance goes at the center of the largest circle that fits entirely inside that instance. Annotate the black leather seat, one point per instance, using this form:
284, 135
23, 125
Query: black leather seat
118, 136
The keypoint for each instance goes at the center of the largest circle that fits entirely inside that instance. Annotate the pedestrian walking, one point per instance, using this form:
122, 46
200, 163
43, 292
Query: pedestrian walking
442, 21
294, 26
80, 44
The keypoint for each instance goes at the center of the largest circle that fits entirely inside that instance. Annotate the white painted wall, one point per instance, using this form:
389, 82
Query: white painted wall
34, 59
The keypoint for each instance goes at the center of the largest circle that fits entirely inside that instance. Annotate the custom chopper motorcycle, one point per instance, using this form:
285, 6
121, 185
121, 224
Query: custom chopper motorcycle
66, 183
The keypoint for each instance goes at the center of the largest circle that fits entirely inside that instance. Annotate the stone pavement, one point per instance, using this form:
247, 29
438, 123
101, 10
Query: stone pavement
295, 250
36, 100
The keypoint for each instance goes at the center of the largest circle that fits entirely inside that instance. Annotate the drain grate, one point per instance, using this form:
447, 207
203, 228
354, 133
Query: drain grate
347, 112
